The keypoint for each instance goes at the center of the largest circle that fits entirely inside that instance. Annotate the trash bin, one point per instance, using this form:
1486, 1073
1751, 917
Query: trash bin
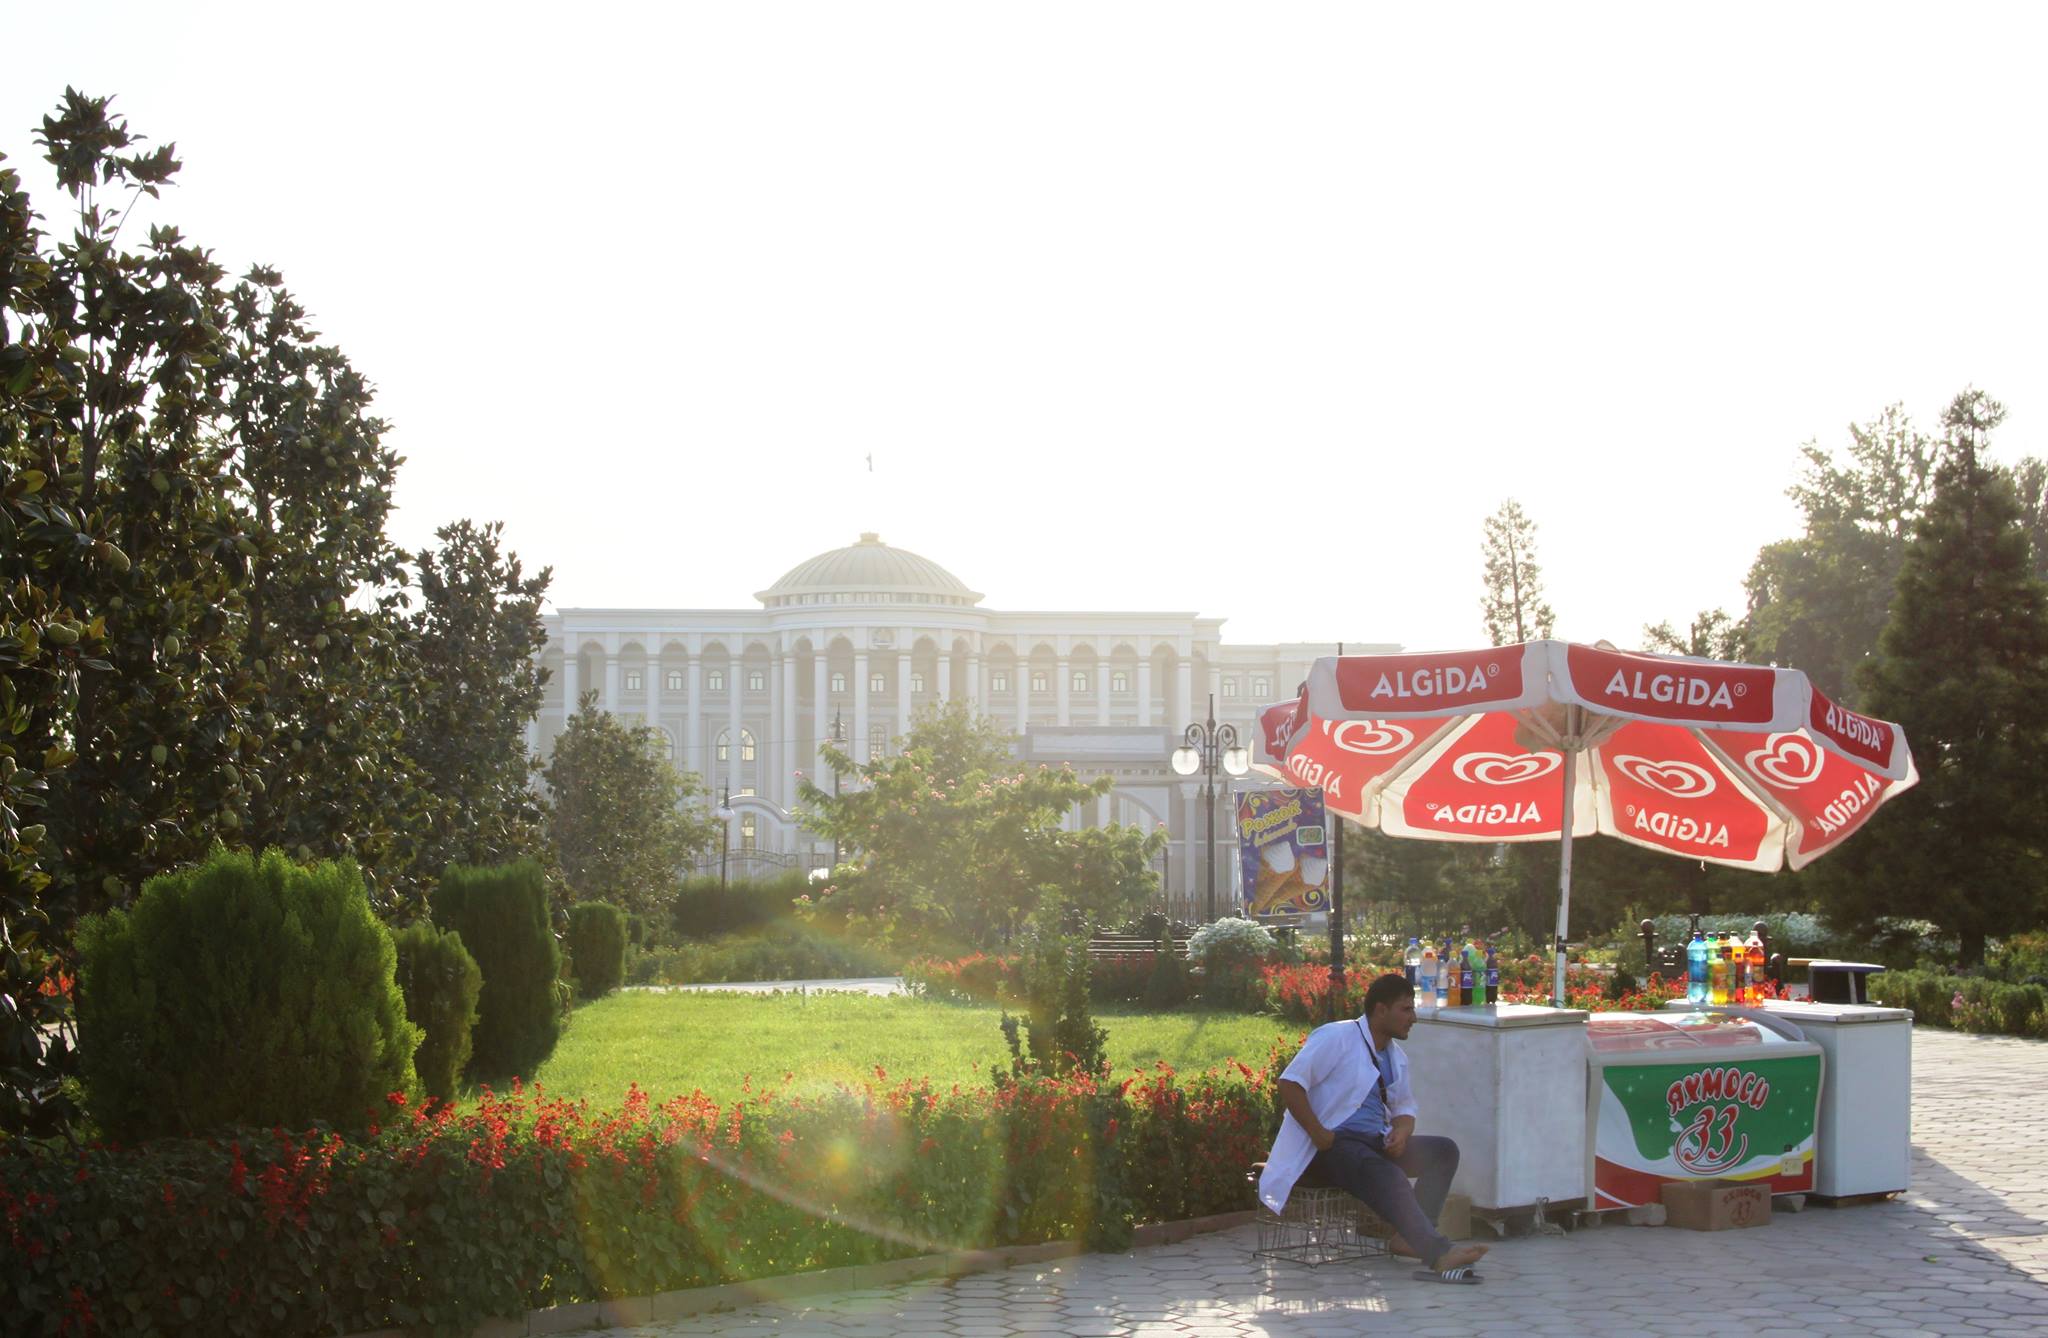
1834, 982
1698, 1096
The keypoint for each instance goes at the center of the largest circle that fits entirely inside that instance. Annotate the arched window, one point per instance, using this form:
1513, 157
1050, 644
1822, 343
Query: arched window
757, 680
998, 682
675, 680
715, 681
1229, 688
917, 682
1262, 688
747, 835
1080, 680
634, 681
1038, 683
724, 753
839, 682
878, 682
1119, 681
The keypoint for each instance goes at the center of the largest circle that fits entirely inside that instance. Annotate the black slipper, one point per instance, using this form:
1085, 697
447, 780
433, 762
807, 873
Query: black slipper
1460, 1276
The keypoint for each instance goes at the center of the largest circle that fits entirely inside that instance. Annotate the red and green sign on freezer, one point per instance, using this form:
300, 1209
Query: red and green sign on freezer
1690, 1097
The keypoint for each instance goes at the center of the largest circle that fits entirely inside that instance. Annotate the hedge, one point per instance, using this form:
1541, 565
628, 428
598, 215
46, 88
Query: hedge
441, 984
1985, 1005
705, 908
441, 1220
793, 952
597, 947
502, 914
241, 990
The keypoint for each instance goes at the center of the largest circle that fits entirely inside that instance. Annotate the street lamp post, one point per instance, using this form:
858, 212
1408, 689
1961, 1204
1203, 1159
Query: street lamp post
724, 830
1208, 747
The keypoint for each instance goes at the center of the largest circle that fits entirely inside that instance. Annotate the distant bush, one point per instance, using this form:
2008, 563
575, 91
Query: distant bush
241, 991
703, 909
502, 914
1168, 985
977, 978
441, 982
1964, 1003
597, 944
792, 953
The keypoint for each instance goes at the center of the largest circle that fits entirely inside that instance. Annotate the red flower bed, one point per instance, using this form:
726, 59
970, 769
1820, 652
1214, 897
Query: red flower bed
440, 1219
977, 978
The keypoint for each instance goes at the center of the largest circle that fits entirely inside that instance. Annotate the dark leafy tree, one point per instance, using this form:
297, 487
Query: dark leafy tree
622, 820
1964, 670
1513, 606
477, 638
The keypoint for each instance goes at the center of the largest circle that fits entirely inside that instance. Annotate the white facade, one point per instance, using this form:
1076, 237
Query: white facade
864, 635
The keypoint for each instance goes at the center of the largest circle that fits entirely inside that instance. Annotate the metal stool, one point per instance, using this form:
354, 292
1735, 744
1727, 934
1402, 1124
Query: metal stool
1321, 1226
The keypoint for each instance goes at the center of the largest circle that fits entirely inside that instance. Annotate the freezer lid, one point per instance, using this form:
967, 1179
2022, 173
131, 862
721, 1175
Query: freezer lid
1620, 1034
1840, 1014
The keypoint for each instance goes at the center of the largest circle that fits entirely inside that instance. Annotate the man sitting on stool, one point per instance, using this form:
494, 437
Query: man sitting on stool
1350, 1125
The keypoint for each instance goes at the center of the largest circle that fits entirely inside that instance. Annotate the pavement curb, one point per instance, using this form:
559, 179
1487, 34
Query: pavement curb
787, 1287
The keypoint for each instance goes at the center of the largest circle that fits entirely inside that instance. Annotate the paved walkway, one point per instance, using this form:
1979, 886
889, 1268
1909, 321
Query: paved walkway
1965, 1251
856, 985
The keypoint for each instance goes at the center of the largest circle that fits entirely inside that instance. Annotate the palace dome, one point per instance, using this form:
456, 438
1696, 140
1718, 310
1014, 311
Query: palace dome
869, 572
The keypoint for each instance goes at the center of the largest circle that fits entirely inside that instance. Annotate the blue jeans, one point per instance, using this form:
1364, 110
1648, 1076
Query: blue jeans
1358, 1165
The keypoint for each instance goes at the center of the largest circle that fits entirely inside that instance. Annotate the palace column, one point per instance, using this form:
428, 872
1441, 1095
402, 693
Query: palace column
1145, 690
1063, 690
785, 748
612, 669
1022, 673
860, 706
735, 665
1102, 681
693, 705
820, 730
903, 697
653, 683
570, 665
945, 676
977, 684
1184, 680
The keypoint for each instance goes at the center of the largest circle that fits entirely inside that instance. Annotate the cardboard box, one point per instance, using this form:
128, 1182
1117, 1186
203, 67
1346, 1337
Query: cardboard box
1716, 1205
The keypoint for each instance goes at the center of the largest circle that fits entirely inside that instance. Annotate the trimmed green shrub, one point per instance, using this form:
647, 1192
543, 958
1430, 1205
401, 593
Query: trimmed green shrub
1168, 986
241, 991
704, 909
597, 944
793, 952
1965, 1003
441, 982
502, 914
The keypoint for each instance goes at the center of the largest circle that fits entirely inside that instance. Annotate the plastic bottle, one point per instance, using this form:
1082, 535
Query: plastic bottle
1738, 970
1414, 962
1425, 979
1717, 968
1696, 966
1492, 975
1443, 979
1756, 968
1465, 975
1475, 961
1453, 996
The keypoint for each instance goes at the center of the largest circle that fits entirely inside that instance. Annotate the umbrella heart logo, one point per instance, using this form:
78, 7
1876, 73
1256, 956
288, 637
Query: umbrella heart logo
1373, 738
1786, 761
1680, 780
1502, 768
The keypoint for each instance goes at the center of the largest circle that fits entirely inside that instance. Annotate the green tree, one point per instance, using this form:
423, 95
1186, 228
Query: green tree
1964, 670
1820, 601
1513, 606
621, 819
955, 845
477, 636
1712, 635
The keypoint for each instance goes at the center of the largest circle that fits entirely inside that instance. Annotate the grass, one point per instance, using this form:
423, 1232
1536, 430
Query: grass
677, 1043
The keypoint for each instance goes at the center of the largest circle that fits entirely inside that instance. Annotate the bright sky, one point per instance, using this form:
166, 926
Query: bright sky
1250, 310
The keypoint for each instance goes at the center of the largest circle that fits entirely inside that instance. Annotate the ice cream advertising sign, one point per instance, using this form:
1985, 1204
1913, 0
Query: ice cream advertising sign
1283, 852
1741, 1114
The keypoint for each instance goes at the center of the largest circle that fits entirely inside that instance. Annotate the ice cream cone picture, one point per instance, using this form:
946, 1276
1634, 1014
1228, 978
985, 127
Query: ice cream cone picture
1279, 874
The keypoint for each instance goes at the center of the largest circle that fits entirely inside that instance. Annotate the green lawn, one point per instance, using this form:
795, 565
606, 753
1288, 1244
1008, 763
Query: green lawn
676, 1043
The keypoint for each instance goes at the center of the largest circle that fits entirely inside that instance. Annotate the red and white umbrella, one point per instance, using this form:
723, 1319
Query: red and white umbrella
1738, 764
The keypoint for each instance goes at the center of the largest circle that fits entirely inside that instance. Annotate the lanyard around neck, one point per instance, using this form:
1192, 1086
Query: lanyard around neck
1366, 1036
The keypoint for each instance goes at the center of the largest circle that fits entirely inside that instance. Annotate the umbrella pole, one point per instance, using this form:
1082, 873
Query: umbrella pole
1564, 874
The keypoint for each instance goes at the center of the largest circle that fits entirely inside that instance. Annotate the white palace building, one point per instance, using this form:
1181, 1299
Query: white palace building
861, 637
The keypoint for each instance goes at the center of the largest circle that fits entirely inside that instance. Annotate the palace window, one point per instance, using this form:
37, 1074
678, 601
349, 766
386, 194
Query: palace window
1038, 683
878, 741
998, 682
878, 682
1229, 688
917, 682
1080, 680
839, 682
747, 833
675, 680
1119, 681
1262, 688
757, 680
725, 746
715, 681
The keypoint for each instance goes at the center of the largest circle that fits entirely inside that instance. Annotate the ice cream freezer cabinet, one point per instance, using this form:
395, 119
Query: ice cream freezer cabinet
1687, 1096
